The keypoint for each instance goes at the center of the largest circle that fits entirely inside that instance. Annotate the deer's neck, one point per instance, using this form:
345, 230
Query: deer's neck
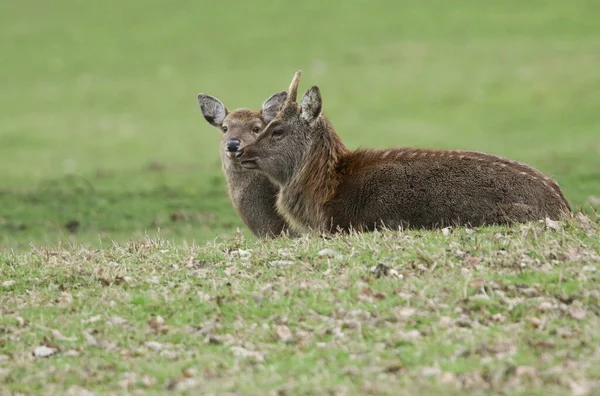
302, 200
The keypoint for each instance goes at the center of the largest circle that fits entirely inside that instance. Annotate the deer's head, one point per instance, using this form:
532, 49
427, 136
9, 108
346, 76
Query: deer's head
281, 147
239, 127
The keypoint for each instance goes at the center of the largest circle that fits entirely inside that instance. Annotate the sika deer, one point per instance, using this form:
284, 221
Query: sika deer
326, 187
251, 192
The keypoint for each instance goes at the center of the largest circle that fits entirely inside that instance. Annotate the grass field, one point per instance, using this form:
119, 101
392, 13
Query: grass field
113, 208
510, 311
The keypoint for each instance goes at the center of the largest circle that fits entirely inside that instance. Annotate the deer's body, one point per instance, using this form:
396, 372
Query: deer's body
251, 192
326, 187
407, 187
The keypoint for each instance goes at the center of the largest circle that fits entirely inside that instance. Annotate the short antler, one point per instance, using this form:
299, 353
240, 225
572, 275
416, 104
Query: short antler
293, 90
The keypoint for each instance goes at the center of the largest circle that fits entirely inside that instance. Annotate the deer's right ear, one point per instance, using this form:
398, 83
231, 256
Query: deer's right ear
273, 105
311, 104
213, 110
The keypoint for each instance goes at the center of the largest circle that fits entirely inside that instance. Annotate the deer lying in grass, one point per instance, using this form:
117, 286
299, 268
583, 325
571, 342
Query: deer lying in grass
252, 193
326, 187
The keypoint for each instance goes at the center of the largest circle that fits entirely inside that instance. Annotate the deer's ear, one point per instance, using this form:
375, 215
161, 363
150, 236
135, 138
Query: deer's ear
213, 110
273, 105
311, 104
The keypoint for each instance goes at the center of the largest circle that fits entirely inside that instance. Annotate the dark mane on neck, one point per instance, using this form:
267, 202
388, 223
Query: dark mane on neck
319, 176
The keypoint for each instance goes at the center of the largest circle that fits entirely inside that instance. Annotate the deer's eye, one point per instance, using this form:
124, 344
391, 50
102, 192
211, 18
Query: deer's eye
224, 128
256, 129
277, 132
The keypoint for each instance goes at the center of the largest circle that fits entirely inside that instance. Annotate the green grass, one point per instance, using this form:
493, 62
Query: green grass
113, 207
509, 310
100, 124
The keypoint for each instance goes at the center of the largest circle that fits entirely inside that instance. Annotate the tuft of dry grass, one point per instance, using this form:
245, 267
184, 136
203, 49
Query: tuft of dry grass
502, 309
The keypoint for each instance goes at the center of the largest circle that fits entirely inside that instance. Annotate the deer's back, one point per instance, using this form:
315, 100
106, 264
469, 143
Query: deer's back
432, 188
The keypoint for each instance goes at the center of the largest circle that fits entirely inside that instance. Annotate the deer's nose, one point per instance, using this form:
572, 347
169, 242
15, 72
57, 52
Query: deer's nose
233, 145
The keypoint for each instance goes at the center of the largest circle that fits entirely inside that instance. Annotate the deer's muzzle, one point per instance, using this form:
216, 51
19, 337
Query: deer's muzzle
246, 159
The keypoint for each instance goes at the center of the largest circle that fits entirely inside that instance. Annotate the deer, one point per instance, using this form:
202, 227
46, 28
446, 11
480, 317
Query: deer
251, 193
325, 187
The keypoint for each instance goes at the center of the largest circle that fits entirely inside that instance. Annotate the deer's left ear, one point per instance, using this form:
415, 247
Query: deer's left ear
311, 104
272, 106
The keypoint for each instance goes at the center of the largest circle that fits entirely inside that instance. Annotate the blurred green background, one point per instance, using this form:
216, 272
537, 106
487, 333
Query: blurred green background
101, 137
